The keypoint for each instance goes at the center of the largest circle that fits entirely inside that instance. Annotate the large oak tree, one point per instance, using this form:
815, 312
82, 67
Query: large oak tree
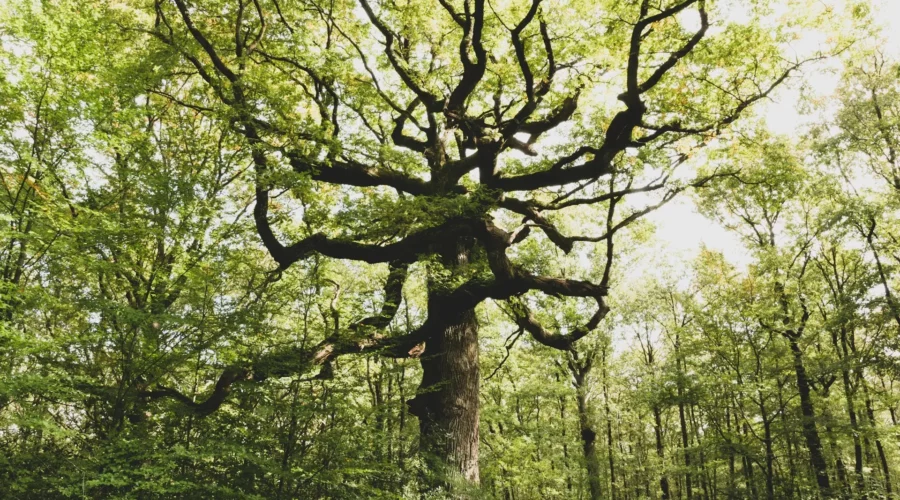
439, 123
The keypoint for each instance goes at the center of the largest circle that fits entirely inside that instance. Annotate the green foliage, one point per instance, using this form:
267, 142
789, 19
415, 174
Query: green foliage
132, 277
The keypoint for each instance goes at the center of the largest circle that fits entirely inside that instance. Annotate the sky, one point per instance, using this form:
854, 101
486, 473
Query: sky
681, 229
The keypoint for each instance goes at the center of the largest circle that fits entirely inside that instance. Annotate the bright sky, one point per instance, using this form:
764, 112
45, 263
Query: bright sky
682, 230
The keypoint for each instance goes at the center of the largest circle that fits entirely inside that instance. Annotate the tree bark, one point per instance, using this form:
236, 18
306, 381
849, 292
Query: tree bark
770, 456
588, 443
685, 443
850, 405
882, 457
609, 431
810, 432
447, 403
660, 452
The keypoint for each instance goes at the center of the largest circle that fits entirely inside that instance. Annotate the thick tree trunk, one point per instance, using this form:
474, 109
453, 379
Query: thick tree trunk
810, 432
447, 403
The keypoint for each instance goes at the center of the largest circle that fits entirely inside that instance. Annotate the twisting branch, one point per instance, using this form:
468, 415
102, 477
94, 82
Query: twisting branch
432, 103
201, 39
633, 89
558, 340
618, 136
405, 249
473, 71
610, 217
734, 114
363, 336
530, 212
519, 47
351, 173
673, 59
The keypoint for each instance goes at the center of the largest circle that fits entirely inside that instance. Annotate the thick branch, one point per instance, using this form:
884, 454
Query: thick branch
294, 360
350, 173
472, 71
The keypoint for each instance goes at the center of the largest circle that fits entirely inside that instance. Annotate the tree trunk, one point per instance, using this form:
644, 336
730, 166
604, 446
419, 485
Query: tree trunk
609, 431
685, 443
843, 483
660, 452
792, 468
747, 464
447, 403
731, 457
855, 430
767, 443
810, 432
770, 458
842, 350
565, 444
704, 472
588, 442
882, 457
684, 446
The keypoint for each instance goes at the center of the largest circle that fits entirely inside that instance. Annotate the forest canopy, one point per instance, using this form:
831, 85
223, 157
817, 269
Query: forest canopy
529, 249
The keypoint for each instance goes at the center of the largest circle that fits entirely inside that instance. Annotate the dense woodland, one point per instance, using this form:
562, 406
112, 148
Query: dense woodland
345, 249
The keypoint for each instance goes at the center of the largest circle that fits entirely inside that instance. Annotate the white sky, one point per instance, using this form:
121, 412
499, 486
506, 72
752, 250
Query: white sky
681, 229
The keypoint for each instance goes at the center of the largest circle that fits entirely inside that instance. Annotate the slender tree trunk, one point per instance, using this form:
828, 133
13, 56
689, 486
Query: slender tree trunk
588, 442
841, 469
810, 431
843, 353
770, 452
792, 468
704, 472
882, 457
731, 465
660, 452
748, 466
609, 431
565, 445
625, 489
684, 446
685, 443
855, 431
